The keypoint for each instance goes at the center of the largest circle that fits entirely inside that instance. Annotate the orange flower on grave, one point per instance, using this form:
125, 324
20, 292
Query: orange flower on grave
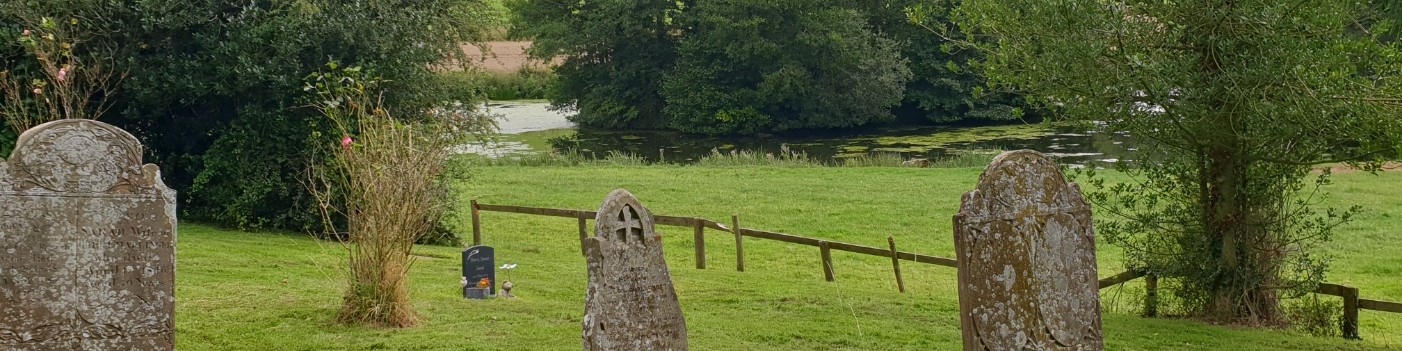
484, 283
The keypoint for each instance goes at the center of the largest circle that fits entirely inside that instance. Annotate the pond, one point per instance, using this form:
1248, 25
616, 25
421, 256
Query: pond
530, 127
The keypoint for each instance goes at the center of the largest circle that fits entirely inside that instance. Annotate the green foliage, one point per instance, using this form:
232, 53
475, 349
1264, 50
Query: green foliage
1233, 101
8, 138
1316, 316
253, 175
214, 87
614, 53
748, 66
944, 88
525, 83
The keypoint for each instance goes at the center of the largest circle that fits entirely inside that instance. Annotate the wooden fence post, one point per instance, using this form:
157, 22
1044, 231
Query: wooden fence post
1151, 295
1350, 323
700, 233
583, 232
739, 243
827, 261
476, 224
896, 263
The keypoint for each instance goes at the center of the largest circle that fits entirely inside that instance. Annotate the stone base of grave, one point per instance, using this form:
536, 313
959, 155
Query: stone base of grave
476, 293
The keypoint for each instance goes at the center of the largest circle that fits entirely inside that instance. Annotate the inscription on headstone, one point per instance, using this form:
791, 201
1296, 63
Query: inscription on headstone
1026, 253
87, 243
631, 304
479, 262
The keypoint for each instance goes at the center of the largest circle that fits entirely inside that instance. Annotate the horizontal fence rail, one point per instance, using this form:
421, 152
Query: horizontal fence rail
1352, 303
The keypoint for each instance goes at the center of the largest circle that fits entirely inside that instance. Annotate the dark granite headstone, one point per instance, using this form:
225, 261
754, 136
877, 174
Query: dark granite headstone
479, 262
87, 243
1026, 248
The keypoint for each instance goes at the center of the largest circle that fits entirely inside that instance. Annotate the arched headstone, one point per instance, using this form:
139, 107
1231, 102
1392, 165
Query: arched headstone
1026, 253
631, 304
87, 243
479, 262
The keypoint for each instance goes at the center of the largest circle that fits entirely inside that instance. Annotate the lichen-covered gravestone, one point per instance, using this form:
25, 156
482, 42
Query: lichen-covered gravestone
631, 304
87, 243
1026, 253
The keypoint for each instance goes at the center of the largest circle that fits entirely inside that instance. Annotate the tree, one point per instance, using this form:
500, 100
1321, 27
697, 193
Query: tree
1233, 102
614, 54
214, 87
943, 87
749, 66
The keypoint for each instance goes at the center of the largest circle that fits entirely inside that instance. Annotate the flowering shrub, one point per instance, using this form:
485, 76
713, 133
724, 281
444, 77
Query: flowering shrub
64, 86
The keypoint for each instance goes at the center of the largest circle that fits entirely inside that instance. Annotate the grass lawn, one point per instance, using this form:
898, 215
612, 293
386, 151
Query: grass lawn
245, 291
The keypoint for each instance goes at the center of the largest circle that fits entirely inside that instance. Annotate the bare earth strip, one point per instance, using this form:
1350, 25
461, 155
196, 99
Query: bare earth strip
501, 56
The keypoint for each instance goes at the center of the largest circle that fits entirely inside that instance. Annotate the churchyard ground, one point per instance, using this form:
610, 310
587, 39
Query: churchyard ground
261, 291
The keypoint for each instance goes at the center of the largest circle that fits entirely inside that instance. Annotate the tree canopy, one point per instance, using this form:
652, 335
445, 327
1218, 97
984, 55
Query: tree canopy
748, 66
1233, 102
614, 52
214, 88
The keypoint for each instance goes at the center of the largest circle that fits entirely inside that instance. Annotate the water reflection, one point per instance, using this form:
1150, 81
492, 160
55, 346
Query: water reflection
530, 128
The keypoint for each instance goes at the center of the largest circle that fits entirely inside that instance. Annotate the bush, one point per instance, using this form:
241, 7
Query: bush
614, 53
749, 66
944, 87
384, 180
525, 83
214, 87
1315, 316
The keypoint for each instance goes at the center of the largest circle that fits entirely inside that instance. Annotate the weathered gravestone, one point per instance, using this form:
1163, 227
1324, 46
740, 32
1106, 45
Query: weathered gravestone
87, 243
479, 262
630, 304
1026, 253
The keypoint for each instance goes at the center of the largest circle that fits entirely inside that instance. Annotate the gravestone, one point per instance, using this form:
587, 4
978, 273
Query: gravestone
630, 304
479, 262
1026, 257
87, 243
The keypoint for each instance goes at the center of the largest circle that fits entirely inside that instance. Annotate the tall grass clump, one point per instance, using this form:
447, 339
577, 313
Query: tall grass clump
880, 159
382, 183
966, 158
784, 158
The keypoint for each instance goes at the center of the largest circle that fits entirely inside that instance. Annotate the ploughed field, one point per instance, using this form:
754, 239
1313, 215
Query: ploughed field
253, 291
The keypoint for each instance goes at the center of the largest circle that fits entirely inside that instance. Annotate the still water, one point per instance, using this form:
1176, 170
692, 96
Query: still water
532, 127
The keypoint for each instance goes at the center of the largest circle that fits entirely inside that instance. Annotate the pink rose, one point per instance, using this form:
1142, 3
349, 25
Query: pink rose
38, 91
62, 74
25, 33
346, 143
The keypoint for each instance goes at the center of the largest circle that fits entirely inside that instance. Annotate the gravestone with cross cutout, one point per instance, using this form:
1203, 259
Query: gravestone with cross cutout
87, 243
630, 303
1026, 257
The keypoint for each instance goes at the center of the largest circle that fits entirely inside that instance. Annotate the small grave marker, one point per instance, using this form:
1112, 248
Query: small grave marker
479, 262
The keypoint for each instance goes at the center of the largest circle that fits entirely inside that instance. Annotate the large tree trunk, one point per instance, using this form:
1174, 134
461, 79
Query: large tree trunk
1243, 288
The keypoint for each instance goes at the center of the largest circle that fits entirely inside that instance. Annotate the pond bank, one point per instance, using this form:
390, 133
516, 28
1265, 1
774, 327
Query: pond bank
529, 127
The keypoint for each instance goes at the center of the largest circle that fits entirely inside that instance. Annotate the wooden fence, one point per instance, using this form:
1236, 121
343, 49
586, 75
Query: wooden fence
1352, 303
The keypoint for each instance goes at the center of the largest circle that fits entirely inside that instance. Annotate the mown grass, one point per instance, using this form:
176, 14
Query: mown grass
242, 291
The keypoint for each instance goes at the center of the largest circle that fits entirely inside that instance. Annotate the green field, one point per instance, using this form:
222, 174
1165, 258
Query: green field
244, 291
